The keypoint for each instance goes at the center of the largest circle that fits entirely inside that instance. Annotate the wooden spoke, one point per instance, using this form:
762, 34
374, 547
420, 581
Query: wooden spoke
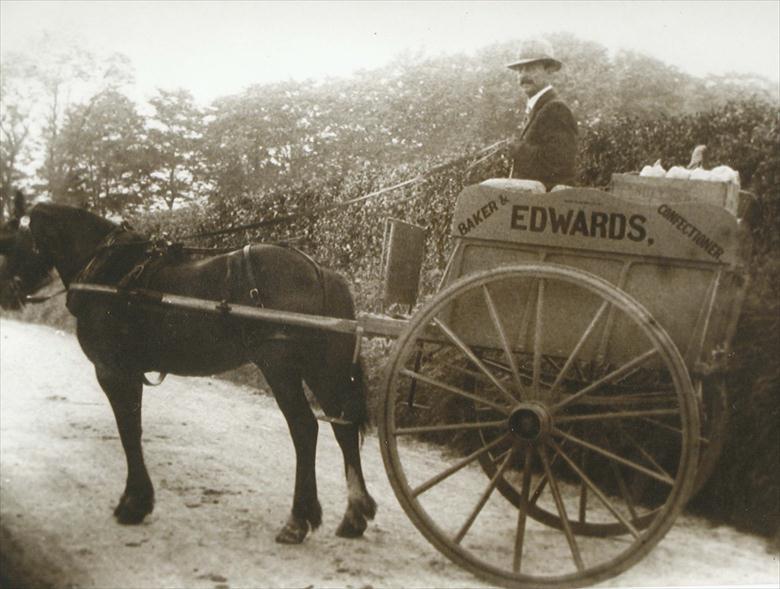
663, 477
575, 551
454, 390
496, 459
573, 356
627, 375
543, 481
621, 481
526, 319
463, 347
424, 429
623, 488
615, 415
522, 510
638, 399
583, 488
483, 499
525, 374
500, 457
605, 379
466, 371
502, 336
578, 369
671, 428
540, 486
641, 450
555, 366
538, 331
456, 467
663, 425
596, 491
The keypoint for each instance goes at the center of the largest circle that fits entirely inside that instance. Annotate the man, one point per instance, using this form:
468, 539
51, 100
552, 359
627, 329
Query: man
546, 147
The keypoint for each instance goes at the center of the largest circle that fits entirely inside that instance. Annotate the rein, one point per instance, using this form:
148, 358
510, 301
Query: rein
490, 150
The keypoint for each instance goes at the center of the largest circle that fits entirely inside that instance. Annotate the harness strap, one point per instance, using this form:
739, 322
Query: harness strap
254, 291
34, 299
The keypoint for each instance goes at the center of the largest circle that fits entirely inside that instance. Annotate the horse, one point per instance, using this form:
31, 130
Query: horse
125, 340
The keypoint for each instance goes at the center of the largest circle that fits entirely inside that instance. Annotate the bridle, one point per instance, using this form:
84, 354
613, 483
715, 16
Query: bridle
16, 280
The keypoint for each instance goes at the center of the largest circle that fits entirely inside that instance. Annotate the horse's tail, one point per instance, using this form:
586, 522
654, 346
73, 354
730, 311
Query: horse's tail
356, 410
339, 303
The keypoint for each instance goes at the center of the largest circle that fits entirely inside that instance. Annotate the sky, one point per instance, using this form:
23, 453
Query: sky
219, 48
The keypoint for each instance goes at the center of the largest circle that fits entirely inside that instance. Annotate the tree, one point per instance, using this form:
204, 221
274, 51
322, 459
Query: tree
104, 158
15, 122
64, 74
173, 140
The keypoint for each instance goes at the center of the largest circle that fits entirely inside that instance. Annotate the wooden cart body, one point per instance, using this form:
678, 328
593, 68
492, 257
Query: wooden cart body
683, 261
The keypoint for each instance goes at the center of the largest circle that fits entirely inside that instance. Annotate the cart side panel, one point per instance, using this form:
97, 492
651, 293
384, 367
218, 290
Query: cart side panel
692, 291
674, 295
587, 219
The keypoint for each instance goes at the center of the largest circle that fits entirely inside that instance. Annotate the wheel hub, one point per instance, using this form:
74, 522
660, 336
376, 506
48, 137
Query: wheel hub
530, 422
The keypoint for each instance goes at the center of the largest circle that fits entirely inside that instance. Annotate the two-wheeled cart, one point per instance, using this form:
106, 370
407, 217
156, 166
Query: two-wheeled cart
575, 357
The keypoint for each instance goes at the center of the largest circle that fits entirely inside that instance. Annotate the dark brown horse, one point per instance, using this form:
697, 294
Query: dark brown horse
124, 340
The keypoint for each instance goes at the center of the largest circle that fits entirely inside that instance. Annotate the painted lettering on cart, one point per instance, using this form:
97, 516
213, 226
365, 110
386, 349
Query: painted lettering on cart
691, 231
579, 222
482, 213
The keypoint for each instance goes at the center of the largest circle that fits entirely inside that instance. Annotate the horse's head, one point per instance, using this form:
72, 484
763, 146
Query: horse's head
23, 269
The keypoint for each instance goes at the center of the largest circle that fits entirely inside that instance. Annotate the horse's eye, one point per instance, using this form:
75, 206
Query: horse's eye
24, 222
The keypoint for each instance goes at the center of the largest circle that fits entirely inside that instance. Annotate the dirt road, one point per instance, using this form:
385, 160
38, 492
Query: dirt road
222, 463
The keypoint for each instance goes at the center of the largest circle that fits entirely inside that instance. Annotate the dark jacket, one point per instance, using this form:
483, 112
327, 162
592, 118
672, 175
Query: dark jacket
546, 148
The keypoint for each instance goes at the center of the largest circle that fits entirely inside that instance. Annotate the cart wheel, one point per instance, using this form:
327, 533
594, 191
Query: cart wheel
576, 397
714, 418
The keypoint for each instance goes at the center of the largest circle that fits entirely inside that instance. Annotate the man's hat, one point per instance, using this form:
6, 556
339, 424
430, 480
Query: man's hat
536, 50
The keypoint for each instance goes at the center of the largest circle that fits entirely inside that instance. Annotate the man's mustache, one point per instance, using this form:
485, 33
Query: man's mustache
526, 80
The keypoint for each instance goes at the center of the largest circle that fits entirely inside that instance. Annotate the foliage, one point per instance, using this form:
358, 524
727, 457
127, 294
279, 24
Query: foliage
173, 148
736, 134
102, 154
14, 133
37, 93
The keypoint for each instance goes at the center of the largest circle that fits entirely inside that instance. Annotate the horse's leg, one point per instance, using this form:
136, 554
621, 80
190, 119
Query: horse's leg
283, 376
360, 505
124, 392
341, 397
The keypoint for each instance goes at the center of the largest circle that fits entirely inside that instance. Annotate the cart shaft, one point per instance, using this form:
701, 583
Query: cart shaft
372, 325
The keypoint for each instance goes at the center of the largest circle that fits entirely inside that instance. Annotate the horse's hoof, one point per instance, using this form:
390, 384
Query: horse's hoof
292, 533
132, 510
351, 529
354, 523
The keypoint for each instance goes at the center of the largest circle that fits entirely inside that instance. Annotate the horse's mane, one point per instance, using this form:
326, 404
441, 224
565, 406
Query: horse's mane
73, 216
80, 232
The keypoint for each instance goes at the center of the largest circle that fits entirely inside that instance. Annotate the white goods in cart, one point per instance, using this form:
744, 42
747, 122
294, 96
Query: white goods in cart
654, 171
678, 172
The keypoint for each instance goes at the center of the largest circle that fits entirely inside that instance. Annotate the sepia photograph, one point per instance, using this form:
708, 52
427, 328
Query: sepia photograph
389, 294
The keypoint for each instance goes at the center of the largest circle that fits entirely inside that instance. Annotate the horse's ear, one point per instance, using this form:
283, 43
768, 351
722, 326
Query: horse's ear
20, 204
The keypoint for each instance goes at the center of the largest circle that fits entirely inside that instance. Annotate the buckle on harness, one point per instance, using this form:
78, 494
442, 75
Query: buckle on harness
254, 294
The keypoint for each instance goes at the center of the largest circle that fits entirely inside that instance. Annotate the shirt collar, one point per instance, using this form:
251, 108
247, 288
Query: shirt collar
529, 106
